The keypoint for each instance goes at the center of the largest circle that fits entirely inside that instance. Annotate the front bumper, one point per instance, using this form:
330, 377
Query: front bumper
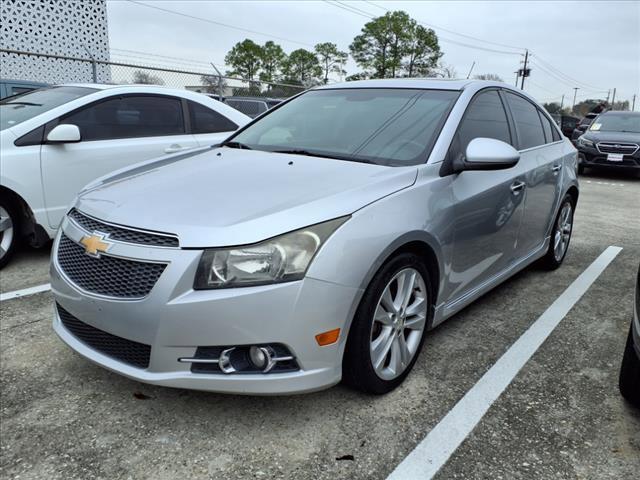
174, 320
591, 157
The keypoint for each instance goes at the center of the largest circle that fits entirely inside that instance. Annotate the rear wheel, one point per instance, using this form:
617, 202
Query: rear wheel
560, 235
8, 231
630, 373
389, 326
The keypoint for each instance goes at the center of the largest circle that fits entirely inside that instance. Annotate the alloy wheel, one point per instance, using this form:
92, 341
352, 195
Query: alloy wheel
6, 231
398, 324
562, 233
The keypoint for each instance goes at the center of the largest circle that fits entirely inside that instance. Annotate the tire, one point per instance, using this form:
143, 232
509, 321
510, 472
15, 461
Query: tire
554, 257
630, 373
404, 340
9, 228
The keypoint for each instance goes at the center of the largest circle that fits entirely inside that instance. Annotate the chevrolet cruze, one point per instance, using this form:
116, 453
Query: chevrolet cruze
321, 242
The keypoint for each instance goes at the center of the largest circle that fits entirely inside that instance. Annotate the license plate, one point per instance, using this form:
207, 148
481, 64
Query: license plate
614, 157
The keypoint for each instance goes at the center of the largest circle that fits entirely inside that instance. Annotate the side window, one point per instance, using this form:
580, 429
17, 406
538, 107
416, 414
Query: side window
555, 135
546, 127
206, 120
528, 125
129, 117
485, 117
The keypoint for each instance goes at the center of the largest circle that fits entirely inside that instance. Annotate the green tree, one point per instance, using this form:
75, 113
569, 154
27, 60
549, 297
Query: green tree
490, 76
552, 107
302, 66
272, 60
422, 51
331, 59
145, 78
244, 58
395, 45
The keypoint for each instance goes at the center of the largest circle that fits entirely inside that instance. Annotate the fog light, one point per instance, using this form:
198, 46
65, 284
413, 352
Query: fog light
259, 356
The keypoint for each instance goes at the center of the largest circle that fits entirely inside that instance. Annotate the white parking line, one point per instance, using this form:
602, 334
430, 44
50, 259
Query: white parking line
441, 442
24, 292
607, 183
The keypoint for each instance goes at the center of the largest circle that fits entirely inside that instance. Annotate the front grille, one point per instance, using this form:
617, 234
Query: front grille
623, 148
111, 276
122, 234
126, 351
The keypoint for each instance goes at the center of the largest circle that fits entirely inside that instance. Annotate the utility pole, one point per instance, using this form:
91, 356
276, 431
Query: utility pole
608, 94
575, 92
633, 103
613, 100
562, 102
524, 70
471, 69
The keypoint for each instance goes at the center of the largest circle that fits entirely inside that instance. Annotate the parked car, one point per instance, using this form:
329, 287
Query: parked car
582, 127
9, 88
252, 106
320, 242
630, 369
567, 123
55, 140
612, 141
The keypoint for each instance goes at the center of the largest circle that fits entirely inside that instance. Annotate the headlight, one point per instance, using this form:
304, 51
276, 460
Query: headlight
281, 259
583, 142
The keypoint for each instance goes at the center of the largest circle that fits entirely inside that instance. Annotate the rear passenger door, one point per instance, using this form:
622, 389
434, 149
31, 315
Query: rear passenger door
540, 154
208, 126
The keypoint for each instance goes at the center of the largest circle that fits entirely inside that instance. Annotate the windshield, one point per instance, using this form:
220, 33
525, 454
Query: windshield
378, 125
618, 122
20, 108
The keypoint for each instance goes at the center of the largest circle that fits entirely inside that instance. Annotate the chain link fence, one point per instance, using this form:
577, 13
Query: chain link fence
54, 69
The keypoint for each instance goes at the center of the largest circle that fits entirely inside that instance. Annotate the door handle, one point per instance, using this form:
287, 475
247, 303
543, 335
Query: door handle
556, 168
175, 148
516, 187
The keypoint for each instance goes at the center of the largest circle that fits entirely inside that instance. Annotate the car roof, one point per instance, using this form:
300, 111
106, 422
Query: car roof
619, 112
426, 83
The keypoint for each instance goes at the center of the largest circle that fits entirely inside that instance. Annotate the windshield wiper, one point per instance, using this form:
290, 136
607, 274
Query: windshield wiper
309, 153
28, 104
239, 145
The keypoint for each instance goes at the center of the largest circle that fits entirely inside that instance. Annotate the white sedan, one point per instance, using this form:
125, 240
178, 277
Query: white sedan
55, 140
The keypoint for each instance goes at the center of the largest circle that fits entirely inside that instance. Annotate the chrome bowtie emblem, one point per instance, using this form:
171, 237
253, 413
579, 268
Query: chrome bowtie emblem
95, 244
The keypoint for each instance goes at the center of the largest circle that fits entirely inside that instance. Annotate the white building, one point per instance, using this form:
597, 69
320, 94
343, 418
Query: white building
64, 28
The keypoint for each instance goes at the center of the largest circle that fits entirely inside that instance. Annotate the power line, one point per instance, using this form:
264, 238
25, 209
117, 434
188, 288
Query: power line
454, 32
193, 17
559, 72
362, 13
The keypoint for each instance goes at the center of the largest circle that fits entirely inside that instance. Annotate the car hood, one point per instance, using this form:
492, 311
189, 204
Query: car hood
624, 137
222, 196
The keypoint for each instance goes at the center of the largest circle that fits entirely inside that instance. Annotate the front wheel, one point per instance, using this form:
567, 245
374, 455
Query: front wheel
389, 326
630, 373
8, 231
560, 235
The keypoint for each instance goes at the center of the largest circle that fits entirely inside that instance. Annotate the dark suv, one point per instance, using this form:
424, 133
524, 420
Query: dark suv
612, 140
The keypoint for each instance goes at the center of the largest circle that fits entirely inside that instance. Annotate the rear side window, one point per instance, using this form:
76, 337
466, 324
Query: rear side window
528, 125
485, 117
546, 127
129, 117
252, 108
206, 120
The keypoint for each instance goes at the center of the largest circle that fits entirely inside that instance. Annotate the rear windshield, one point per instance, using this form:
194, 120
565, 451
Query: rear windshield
20, 108
618, 122
384, 126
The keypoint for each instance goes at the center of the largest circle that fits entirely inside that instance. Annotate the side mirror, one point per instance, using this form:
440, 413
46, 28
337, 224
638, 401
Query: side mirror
65, 133
489, 154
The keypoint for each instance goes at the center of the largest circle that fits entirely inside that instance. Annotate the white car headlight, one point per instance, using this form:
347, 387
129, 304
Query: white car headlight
280, 259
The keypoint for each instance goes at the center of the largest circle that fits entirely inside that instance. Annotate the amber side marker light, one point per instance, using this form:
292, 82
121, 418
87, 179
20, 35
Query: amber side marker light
327, 338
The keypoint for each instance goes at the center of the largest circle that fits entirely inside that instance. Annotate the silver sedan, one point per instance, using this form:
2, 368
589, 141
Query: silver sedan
319, 243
